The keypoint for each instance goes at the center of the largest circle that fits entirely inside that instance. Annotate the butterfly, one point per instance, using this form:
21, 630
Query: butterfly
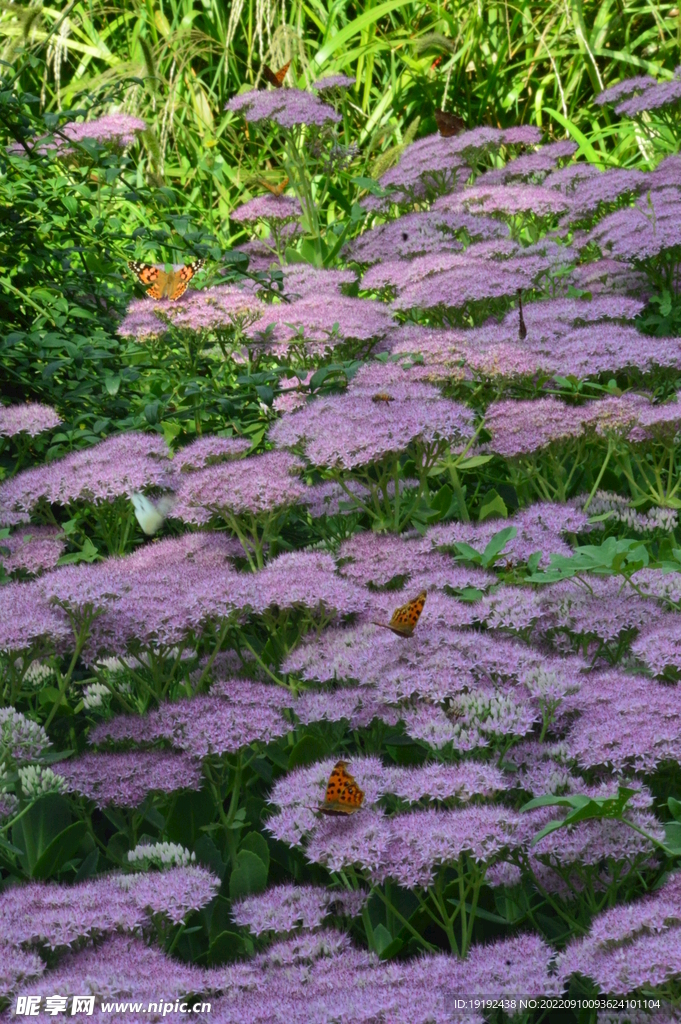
165, 286
522, 329
276, 190
404, 618
275, 78
382, 396
448, 124
150, 516
343, 795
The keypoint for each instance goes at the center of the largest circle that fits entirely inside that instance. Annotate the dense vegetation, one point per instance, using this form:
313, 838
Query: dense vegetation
387, 354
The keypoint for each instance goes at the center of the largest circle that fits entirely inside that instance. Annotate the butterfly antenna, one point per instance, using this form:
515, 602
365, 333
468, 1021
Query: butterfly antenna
522, 329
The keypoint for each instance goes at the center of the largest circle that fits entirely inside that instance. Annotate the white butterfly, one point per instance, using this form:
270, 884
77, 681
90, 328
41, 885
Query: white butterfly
150, 516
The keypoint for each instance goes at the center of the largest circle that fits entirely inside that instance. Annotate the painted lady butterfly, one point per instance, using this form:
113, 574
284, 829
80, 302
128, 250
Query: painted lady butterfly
165, 286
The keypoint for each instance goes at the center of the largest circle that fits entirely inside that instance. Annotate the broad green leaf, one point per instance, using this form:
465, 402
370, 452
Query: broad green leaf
60, 850
249, 875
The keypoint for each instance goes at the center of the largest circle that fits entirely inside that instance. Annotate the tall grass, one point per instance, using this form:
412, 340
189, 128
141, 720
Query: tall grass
176, 63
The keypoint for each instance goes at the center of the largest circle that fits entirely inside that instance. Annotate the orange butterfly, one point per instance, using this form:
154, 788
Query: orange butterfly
276, 190
343, 795
382, 396
448, 124
522, 329
404, 618
165, 286
275, 78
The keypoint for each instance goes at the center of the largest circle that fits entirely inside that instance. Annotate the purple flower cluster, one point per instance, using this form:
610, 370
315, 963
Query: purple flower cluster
321, 977
223, 307
118, 466
642, 93
125, 779
235, 714
288, 108
268, 208
352, 430
260, 483
59, 915
319, 322
31, 418
632, 947
286, 908
33, 549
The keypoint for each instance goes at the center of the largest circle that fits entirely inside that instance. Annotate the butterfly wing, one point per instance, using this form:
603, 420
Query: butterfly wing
343, 795
147, 515
150, 275
181, 278
275, 78
404, 618
276, 190
448, 124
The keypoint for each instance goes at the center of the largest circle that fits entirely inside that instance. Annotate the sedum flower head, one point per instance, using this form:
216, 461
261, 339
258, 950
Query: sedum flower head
31, 418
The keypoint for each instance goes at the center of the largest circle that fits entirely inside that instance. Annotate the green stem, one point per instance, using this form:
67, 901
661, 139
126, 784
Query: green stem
600, 475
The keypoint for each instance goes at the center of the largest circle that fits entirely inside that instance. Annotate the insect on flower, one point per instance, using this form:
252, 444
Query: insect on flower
165, 285
382, 396
343, 795
275, 78
404, 618
276, 190
150, 516
448, 124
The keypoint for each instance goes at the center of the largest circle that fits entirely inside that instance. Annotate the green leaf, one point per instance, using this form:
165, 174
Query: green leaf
112, 384
354, 28
35, 831
227, 946
672, 833
584, 145
257, 844
493, 505
248, 876
382, 938
474, 461
674, 808
208, 854
307, 750
190, 812
497, 544
60, 850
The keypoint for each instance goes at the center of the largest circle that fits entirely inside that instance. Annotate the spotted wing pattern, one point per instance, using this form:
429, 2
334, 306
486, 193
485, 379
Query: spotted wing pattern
448, 124
165, 286
343, 795
404, 618
275, 78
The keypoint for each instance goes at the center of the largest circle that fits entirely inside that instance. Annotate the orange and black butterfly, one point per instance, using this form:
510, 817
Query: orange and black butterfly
404, 618
522, 329
165, 285
382, 396
448, 124
275, 78
276, 190
343, 795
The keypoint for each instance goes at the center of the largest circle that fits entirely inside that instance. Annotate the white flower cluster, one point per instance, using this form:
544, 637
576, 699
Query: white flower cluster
38, 673
21, 739
161, 855
94, 694
666, 519
36, 781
